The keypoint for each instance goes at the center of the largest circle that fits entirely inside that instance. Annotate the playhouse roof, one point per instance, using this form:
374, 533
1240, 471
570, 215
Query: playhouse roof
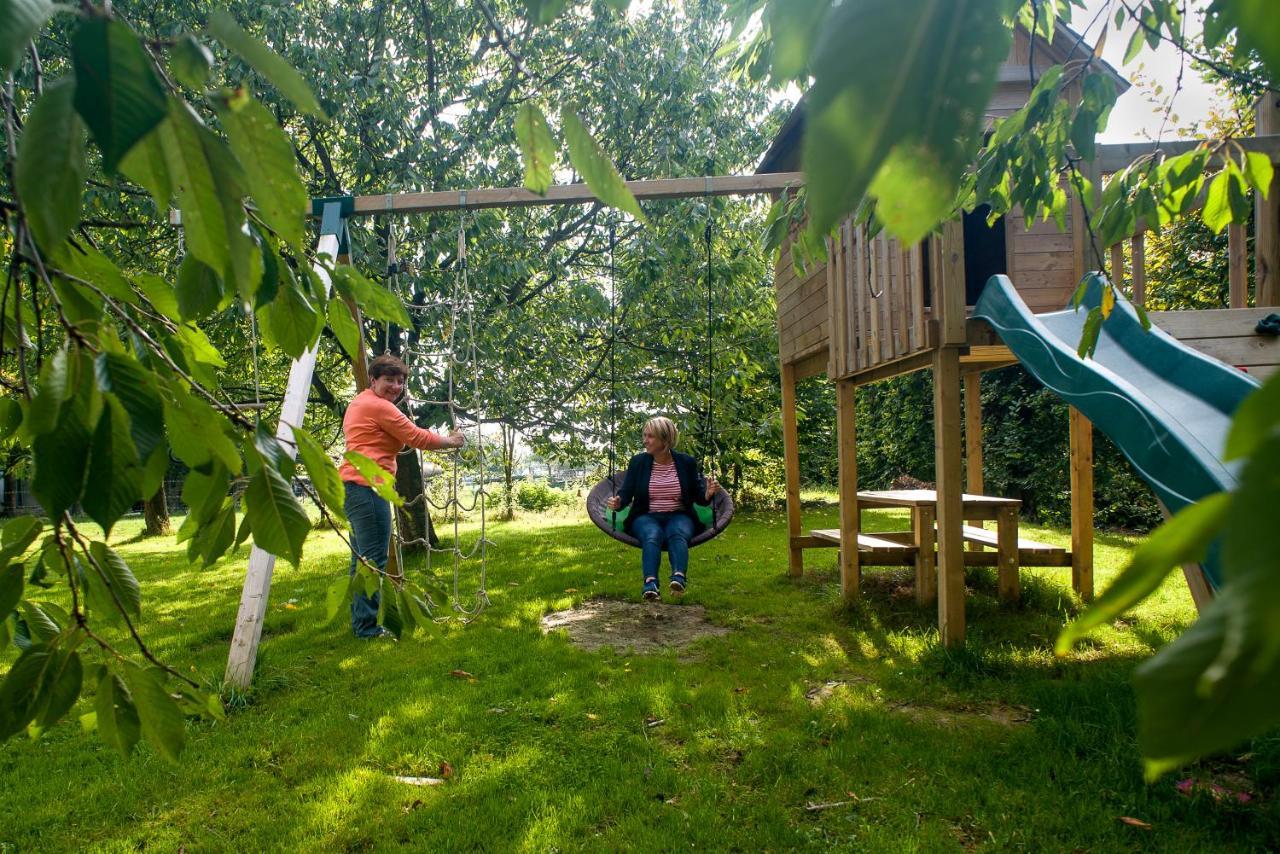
1067, 44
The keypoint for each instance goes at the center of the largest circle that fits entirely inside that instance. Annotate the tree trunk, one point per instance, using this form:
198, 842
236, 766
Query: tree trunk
156, 514
508, 467
415, 521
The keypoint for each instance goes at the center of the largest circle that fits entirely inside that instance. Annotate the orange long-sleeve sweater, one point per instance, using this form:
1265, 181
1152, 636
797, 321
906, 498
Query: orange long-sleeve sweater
376, 428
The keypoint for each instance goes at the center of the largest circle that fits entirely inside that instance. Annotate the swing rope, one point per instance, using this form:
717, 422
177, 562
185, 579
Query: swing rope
613, 350
712, 450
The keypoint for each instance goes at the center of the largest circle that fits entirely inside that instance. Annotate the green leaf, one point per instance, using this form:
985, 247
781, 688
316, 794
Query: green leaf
382, 481
1255, 29
20, 22
1182, 539
1089, 335
119, 578
266, 62
266, 155
17, 536
118, 723
212, 538
162, 723
537, 148
10, 417
543, 11
324, 476
912, 75
375, 302
794, 26
40, 625
344, 327
52, 389
291, 321
389, 610
145, 165
114, 481
59, 688
51, 167
338, 593
11, 586
18, 691
271, 451
117, 91
1135, 45
196, 431
1255, 419
94, 267
131, 384
595, 167
278, 522
61, 456
1217, 205
190, 62
199, 289
1258, 171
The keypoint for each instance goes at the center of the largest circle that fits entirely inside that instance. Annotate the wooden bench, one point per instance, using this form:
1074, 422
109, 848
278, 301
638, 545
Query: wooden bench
872, 550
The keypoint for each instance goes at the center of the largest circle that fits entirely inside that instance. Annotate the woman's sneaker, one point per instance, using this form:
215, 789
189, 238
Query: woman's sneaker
651, 590
677, 583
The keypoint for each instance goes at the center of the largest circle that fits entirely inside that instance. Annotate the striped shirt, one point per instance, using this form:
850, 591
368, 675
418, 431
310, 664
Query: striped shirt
664, 489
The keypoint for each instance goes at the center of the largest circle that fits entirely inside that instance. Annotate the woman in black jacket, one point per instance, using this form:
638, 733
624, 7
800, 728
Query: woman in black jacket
667, 494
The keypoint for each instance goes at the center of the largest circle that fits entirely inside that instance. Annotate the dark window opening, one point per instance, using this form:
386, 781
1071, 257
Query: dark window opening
984, 252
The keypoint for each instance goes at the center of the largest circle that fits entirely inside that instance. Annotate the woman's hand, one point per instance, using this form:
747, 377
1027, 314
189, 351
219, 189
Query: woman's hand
456, 439
613, 503
713, 486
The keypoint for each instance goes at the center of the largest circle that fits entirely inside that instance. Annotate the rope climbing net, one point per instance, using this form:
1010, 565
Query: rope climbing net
456, 363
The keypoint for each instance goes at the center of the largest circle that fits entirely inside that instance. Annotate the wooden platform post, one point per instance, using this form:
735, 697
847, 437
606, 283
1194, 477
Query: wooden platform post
791, 466
257, 581
1266, 219
947, 451
1007, 582
925, 538
1081, 505
850, 521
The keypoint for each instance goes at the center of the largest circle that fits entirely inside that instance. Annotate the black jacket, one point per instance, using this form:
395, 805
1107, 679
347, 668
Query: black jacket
635, 488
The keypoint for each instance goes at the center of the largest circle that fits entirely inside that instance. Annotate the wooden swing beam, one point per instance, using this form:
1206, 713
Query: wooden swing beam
569, 194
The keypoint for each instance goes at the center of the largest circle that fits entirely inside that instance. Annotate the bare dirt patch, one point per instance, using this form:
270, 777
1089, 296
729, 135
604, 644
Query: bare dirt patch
643, 627
1005, 714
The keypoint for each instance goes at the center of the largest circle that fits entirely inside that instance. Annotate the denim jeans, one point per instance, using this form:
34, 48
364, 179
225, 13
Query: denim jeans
654, 529
370, 518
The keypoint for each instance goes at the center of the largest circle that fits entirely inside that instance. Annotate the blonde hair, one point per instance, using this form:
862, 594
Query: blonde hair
663, 428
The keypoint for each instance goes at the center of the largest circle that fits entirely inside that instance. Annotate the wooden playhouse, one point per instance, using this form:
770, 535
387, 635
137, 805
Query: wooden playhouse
879, 309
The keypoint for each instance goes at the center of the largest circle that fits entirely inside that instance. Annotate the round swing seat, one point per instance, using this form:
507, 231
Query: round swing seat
721, 508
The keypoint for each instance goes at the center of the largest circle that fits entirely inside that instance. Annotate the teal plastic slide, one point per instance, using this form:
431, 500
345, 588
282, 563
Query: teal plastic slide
1166, 406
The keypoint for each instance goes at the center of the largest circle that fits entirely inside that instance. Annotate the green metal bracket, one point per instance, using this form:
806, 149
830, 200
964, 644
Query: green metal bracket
333, 212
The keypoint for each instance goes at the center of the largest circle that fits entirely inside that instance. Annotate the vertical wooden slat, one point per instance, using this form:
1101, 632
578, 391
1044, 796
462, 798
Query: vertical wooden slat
835, 296
791, 467
973, 441
857, 286
1082, 255
873, 308
916, 299
1237, 266
886, 299
1081, 504
948, 299
850, 286
947, 459
1266, 289
1117, 265
900, 344
846, 437
1138, 260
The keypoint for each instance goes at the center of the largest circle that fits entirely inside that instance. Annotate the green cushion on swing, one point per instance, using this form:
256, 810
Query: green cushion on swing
618, 518
706, 515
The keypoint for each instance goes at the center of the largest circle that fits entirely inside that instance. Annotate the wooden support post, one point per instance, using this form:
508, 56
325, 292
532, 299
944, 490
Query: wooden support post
257, 581
950, 303
925, 539
1084, 259
1117, 265
1237, 266
850, 521
973, 481
1081, 505
791, 466
1007, 581
1266, 291
947, 451
1138, 260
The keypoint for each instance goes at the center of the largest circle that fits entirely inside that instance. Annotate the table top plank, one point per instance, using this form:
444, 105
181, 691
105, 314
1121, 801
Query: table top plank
926, 497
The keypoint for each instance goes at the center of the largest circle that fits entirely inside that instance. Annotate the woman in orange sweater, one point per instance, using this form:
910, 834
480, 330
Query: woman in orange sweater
375, 427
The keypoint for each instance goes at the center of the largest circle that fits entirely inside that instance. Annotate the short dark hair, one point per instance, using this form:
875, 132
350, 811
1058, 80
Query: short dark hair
387, 365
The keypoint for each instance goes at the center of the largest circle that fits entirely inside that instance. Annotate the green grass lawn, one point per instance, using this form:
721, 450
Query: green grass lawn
549, 744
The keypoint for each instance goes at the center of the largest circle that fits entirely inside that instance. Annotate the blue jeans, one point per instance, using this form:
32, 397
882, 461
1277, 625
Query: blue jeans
370, 518
654, 529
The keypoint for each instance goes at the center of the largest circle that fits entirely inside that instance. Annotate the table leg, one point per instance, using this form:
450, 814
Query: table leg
1007, 554
925, 541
